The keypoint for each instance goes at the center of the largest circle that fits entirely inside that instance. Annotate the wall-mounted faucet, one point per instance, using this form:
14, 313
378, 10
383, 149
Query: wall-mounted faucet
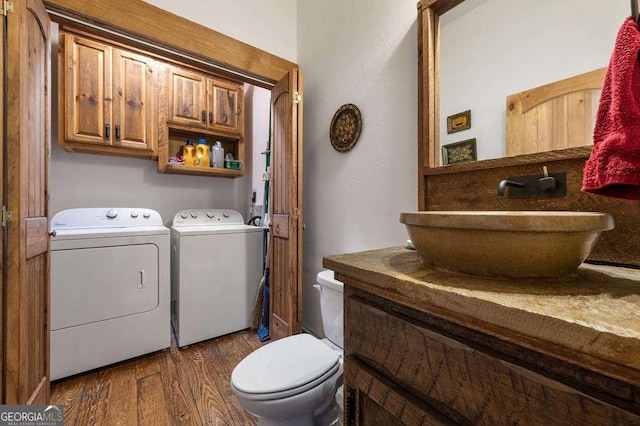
502, 186
535, 186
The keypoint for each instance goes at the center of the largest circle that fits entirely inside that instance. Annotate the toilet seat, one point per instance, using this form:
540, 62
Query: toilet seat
284, 368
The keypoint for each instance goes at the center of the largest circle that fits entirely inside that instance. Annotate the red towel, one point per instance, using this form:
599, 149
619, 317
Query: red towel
614, 166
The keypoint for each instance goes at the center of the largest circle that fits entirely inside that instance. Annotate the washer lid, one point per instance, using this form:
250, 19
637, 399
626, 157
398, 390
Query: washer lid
284, 364
91, 233
214, 229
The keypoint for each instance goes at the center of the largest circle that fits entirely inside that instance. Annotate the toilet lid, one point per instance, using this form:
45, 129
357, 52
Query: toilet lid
284, 364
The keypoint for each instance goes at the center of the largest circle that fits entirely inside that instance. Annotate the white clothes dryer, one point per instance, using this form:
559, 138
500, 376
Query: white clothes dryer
110, 287
216, 267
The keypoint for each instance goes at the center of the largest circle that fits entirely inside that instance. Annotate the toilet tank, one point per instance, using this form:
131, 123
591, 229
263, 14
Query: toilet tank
331, 306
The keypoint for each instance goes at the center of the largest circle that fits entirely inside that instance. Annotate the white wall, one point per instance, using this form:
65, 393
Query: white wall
361, 52
268, 25
89, 180
494, 48
258, 122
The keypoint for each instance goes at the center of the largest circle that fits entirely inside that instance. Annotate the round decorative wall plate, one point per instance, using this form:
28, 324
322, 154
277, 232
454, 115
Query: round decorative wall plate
346, 126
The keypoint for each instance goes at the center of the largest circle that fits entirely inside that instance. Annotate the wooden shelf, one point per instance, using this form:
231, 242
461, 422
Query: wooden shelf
517, 160
201, 171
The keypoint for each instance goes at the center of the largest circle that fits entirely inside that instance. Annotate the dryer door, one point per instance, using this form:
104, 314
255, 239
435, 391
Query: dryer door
97, 284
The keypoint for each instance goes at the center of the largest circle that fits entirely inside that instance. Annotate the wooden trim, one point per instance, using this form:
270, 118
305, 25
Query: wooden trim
149, 23
299, 226
3, 248
518, 160
201, 171
422, 77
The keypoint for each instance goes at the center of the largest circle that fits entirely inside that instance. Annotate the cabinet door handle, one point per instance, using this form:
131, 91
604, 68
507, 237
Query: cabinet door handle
107, 131
118, 132
210, 117
204, 116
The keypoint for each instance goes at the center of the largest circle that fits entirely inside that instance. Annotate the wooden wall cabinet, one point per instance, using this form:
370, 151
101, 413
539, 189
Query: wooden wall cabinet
201, 101
107, 102
195, 105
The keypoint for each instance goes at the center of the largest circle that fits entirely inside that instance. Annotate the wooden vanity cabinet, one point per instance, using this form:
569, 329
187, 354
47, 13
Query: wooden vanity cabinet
107, 98
424, 346
407, 367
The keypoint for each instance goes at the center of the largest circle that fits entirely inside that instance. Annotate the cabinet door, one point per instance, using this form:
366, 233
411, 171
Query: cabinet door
226, 101
133, 77
187, 98
87, 91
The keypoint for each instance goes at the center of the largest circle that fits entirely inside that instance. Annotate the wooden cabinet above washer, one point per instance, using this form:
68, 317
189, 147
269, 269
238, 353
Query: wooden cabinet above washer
201, 101
106, 98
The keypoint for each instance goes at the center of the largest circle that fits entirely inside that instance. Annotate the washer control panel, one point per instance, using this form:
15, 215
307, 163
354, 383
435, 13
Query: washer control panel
195, 217
108, 217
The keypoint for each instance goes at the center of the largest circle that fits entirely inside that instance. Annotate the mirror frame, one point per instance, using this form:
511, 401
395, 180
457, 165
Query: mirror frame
429, 12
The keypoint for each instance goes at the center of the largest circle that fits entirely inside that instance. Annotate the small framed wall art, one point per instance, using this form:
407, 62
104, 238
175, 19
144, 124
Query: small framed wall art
345, 129
459, 122
459, 152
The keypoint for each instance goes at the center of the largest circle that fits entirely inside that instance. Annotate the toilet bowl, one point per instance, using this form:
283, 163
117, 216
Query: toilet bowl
293, 381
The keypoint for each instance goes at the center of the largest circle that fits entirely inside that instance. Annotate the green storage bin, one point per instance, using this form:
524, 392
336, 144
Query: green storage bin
233, 164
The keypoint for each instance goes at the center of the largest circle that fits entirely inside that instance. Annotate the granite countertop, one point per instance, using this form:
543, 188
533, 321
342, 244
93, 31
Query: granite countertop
591, 317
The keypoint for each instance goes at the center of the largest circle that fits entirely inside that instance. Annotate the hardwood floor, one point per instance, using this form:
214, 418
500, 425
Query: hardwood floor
187, 386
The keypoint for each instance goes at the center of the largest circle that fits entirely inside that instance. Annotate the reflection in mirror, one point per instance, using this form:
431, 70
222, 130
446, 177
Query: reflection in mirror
491, 49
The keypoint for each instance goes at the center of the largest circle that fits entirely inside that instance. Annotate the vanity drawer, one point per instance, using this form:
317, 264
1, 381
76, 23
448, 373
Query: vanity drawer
461, 382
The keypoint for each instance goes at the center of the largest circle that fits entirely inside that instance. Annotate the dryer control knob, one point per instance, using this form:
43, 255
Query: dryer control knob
184, 215
146, 215
112, 214
211, 215
194, 215
225, 214
134, 214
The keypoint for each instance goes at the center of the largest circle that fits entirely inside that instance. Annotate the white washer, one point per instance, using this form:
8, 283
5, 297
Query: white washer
216, 266
110, 287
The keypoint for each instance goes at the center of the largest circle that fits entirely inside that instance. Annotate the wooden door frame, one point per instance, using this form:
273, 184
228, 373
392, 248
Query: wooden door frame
3, 201
148, 23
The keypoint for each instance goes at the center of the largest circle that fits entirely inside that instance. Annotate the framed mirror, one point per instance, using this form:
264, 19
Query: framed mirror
474, 54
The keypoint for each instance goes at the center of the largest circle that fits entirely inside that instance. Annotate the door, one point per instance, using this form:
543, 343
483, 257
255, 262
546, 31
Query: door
187, 98
285, 303
88, 102
133, 100
27, 243
225, 106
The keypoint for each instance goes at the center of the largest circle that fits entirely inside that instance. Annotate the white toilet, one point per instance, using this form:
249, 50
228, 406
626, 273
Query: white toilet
293, 381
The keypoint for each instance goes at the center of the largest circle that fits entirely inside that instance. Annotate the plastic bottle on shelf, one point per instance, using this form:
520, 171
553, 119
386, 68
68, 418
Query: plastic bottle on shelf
189, 153
218, 155
202, 154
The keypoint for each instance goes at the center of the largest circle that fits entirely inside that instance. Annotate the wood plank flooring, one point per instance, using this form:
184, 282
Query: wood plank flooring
187, 386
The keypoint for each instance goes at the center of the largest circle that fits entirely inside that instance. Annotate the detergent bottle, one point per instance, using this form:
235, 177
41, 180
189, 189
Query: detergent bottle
202, 153
189, 153
217, 153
